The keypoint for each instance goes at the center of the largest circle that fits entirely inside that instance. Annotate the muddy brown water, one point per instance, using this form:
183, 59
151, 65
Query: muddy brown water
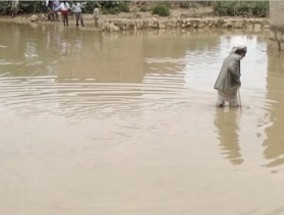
125, 123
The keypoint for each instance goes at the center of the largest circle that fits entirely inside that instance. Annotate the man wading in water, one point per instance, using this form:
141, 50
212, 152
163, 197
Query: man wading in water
77, 9
64, 8
228, 81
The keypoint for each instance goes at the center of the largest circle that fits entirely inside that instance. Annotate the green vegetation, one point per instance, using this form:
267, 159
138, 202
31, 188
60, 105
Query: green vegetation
161, 10
107, 7
5, 7
123, 7
144, 8
23, 7
241, 8
221, 8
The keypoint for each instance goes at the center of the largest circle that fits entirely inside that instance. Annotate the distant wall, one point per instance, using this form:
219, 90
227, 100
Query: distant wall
276, 19
276, 11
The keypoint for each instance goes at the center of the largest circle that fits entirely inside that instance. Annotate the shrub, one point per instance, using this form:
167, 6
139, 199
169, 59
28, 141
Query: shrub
30, 6
161, 10
241, 8
144, 8
107, 7
5, 7
123, 7
23, 7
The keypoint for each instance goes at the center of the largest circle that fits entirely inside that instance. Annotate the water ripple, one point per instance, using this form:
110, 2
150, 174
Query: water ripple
46, 93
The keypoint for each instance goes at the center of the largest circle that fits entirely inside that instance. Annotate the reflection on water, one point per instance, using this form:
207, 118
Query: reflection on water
228, 134
125, 123
274, 145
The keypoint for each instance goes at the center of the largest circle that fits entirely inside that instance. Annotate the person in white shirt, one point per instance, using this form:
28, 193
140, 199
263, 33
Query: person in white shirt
55, 4
77, 10
96, 15
64, 8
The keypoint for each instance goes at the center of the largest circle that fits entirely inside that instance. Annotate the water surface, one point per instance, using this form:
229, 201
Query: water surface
95, 123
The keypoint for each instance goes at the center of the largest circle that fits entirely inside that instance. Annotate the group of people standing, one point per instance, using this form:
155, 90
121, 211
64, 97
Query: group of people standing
64, 8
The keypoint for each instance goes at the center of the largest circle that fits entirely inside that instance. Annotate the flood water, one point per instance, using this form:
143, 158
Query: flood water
125, 124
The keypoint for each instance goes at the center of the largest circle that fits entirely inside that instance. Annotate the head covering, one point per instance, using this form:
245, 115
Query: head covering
239, 48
